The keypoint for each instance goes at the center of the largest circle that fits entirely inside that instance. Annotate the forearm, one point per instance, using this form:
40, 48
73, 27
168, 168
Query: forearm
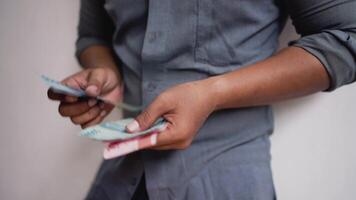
98, 56
291, 73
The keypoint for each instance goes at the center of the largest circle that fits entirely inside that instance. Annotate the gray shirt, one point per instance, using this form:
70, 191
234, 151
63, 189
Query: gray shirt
161, 43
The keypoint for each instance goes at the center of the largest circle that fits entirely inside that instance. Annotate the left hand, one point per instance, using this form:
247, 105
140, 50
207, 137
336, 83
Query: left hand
98, 81
185, 107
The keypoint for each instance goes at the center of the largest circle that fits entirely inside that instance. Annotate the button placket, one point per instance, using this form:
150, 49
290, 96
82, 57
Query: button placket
154, 45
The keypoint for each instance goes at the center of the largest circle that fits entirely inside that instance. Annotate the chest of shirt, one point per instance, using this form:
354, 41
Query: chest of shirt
217, 32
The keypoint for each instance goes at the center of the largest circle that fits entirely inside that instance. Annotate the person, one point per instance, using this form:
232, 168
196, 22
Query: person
211, 69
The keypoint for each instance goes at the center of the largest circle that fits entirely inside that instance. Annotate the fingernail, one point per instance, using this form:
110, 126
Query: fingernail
153, 139
91, 102
103, 113
92, 90
133, 126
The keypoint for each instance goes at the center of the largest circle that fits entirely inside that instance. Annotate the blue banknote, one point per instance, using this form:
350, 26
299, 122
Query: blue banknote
58, 87
111, 131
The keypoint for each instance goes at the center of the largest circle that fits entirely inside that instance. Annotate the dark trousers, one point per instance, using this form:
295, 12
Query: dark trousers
141, 192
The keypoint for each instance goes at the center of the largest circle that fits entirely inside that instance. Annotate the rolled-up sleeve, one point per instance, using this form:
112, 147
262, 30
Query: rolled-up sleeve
95, 26
328, 30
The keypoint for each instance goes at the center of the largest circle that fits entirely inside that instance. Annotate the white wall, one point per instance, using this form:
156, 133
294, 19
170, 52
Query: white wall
41, 156
313, 146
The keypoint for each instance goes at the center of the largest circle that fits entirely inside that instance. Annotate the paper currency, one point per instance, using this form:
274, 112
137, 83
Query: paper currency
118, 141
111, 131
61, 88
58, 87
120, 148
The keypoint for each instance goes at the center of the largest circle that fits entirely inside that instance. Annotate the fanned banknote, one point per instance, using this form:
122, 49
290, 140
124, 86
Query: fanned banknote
58, 87
119, 142
112, 131
61, 88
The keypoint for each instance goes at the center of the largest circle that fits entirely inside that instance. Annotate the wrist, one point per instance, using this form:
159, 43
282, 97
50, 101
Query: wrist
216, 87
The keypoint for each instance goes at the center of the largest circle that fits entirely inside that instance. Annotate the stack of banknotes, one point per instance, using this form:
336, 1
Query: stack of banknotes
117, 140
120, 142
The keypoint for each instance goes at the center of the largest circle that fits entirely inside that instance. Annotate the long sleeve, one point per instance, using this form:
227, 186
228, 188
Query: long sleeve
95, 26
328, 30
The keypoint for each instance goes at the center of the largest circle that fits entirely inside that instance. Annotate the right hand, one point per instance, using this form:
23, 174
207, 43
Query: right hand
101, 81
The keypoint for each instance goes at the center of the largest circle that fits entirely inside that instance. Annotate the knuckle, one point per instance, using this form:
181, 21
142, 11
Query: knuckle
144, 118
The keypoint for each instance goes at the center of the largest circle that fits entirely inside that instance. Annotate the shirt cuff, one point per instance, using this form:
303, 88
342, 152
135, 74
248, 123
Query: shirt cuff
336, 50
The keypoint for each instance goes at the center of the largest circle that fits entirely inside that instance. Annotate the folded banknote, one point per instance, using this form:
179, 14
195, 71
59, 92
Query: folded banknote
58, 87
116, 130
120, 148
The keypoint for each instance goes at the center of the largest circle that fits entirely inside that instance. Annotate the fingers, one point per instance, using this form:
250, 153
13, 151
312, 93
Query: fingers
96, 81
176, 135
171, 138
155, 110
105, 110
60, 97
77, 108
54, 96
95, 121
75, 81
70, 99
90, 79
78, 80
165, 140
86, 117
85, 113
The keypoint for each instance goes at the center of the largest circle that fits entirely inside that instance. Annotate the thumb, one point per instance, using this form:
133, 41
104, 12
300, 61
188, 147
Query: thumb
146, 119
96, 80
